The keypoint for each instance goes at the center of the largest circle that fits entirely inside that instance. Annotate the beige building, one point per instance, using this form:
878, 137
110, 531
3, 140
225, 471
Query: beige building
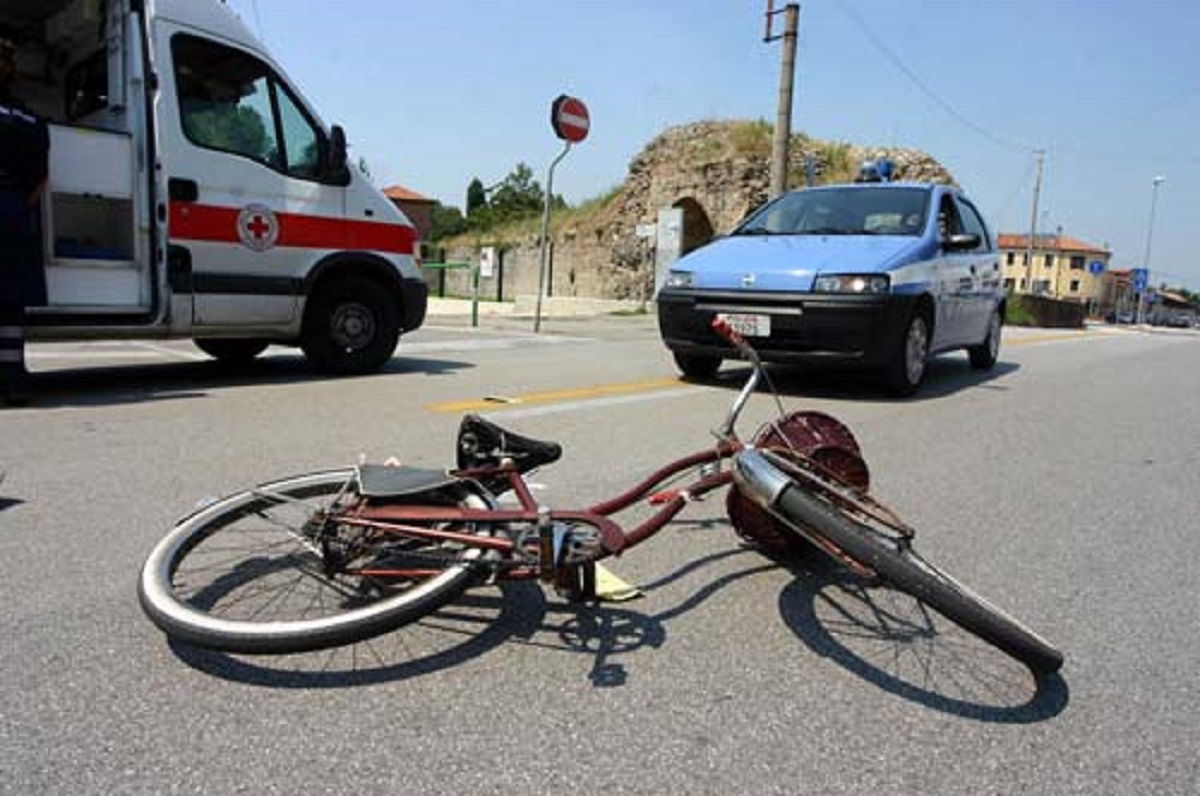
1063, 267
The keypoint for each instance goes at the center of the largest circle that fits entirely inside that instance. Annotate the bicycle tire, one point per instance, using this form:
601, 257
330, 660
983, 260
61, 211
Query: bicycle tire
221, 614
902, 568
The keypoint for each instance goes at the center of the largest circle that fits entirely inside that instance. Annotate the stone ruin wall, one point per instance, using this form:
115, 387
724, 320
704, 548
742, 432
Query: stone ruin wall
714, 170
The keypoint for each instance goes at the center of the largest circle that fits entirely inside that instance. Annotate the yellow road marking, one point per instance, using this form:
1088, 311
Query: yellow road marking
555, 396
1050, 338
633, 388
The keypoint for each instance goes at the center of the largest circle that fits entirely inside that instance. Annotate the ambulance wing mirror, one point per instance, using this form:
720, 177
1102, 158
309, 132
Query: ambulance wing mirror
336, 170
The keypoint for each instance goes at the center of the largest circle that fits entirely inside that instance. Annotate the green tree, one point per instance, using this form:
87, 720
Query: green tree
476, 197
517, 196
447, 221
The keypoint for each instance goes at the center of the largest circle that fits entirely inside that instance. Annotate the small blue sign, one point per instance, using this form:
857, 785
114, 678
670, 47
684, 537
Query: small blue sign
1141, 278
1096, 267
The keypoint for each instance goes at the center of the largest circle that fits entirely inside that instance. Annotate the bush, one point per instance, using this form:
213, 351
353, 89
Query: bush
1018, 312
1024, 310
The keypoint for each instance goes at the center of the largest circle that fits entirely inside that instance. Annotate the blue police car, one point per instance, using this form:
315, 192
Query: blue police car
873, 273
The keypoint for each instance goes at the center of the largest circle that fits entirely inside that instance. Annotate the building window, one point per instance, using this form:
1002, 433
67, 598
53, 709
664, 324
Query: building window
1025, 258
1074, 285
1049, 260
1077, 262
1008, 284
1011, 258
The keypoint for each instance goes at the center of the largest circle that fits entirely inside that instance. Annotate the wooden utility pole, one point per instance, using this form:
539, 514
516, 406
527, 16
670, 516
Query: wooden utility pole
783, 117
1037, 190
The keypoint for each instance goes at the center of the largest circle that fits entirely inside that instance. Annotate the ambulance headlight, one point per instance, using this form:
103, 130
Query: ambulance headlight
852, 283
678, 279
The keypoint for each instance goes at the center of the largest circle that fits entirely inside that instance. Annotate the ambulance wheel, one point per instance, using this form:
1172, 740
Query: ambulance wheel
351, 326
904, 373
232, 352
697, 366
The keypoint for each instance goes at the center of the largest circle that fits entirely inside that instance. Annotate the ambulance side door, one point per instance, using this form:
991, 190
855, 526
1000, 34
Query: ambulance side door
244, 159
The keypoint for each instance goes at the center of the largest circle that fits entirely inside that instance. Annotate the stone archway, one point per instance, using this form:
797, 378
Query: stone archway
697, 228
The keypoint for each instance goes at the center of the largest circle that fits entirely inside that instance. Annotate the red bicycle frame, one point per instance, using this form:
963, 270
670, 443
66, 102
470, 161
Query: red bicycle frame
416, 521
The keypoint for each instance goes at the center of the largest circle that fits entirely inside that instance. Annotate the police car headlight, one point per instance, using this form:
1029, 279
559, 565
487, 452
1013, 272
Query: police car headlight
679, 279
852, 283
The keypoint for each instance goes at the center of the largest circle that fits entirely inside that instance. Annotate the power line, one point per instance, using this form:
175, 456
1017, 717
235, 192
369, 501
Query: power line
1018, 188
925, 89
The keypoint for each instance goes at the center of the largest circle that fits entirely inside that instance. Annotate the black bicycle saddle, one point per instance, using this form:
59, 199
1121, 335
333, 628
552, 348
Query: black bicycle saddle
482, 444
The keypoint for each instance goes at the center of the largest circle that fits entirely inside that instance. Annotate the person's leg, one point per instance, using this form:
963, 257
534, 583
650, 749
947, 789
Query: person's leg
13, 376
12, 324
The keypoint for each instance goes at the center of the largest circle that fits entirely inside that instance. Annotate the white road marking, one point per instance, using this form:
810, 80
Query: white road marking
484, 345
141, 350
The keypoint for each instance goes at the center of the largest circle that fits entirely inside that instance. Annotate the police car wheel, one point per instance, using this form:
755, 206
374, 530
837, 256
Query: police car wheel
351, 326
904, 373
984, 355
697, 366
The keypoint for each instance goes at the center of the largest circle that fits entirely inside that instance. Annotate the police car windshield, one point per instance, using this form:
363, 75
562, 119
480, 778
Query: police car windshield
845, 210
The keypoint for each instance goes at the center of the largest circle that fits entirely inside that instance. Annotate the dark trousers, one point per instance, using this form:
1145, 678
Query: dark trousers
15, 233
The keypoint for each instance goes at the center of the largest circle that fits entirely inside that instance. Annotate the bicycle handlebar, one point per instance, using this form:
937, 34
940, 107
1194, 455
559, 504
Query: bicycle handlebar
732, 336
722, 328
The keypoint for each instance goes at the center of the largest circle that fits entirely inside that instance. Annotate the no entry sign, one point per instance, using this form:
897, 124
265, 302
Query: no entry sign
569, 117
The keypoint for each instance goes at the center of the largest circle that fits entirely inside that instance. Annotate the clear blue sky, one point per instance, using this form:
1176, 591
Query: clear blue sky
433, 94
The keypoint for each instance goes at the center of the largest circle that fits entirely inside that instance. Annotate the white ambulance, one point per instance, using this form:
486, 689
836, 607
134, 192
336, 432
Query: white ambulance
194, 193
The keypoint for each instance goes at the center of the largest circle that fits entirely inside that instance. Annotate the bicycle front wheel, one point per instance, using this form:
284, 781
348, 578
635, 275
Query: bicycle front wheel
899, 565
251, 573
821, 513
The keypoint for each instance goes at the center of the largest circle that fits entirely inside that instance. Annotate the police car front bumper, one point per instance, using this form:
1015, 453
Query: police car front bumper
804, 327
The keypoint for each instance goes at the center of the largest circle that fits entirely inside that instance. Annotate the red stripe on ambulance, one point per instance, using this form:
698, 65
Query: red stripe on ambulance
191, 221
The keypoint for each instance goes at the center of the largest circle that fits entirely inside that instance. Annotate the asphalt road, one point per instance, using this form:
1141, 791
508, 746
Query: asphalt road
1060, 486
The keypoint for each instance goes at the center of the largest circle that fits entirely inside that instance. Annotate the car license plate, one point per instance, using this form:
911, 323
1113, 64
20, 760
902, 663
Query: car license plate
748, 325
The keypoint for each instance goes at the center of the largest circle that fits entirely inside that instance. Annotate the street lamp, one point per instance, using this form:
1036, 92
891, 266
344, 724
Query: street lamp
1157, 181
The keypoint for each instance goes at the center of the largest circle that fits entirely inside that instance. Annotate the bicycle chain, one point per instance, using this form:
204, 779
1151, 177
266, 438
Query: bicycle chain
585, 546
444, 558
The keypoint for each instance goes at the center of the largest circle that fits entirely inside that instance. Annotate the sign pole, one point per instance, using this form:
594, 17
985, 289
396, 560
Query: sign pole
537, 316
570, 119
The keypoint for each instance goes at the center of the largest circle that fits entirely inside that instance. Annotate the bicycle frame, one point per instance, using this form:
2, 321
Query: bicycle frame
414, 520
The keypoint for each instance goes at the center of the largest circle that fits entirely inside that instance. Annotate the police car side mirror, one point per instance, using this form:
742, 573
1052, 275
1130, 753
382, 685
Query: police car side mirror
963, 242
336, 170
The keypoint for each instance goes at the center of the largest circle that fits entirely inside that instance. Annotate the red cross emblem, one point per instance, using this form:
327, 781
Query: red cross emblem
258, 228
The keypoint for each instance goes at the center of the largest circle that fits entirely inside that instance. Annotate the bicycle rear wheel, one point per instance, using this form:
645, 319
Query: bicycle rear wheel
253, 572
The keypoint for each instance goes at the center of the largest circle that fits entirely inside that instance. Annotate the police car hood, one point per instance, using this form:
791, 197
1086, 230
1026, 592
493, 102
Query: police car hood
791, 262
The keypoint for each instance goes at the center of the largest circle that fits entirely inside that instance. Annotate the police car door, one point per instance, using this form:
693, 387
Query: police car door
243, 157
984, 267
953, 278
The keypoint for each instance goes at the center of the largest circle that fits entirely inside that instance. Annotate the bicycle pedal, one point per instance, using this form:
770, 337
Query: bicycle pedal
576, 583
